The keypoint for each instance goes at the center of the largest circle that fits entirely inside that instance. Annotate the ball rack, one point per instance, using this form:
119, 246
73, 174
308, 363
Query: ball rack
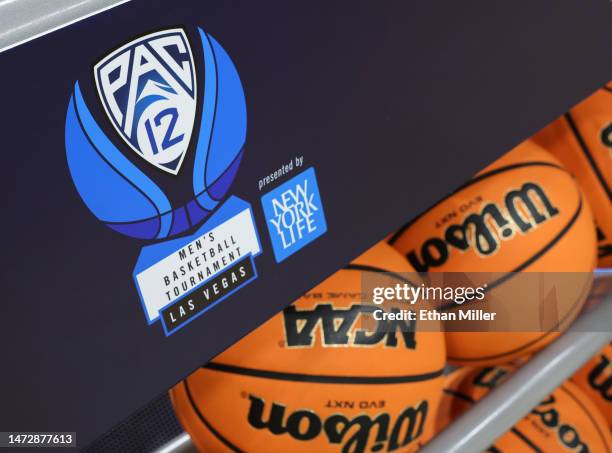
25, 20
496, 413
478, 428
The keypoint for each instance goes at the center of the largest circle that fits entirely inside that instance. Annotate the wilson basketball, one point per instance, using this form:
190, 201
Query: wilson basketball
523, 213
566, 420
582, 140
595, 380
464, 386
310, 379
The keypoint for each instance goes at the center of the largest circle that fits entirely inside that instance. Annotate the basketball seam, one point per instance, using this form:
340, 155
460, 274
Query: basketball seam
321, 379
207, 424
540, 338
474, 180
78, 116
461, 396
588, 414
469, 399
526, 440
535, 257
587, 152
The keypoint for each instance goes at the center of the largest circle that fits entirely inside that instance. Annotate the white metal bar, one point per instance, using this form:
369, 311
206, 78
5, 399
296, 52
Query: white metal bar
180, 444
24, 20
496, 413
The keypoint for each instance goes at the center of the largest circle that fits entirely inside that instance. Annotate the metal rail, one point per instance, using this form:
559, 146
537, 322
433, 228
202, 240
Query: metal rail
24, 20
495, 414
180, 444
478, 428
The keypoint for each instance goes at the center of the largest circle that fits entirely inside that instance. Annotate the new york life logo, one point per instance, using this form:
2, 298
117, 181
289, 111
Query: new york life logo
294, 214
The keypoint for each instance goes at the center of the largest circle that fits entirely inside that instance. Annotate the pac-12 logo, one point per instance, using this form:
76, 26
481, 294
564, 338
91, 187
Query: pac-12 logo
138, 118
167, 103
148, 91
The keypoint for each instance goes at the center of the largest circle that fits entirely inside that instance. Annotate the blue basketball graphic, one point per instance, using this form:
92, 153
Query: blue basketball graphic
148, 91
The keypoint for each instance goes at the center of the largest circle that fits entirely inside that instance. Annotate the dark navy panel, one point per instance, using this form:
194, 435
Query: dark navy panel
393, 103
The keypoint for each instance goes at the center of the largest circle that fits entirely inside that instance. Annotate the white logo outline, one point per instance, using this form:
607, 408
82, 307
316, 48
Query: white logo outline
151, 52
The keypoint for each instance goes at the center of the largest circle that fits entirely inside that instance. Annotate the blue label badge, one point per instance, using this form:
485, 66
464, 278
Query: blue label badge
180, 279
294, 214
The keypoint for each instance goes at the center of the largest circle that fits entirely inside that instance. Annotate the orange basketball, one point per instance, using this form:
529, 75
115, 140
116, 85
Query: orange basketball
582, 140
464, 387
310, 379
595, 380
523, 213
566, 420
453, 403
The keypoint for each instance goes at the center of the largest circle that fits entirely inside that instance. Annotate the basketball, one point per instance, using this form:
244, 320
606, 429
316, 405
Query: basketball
453, 402
523, 213
582, 140
310, 379
566, 420
139, 141
595, 380
464, 386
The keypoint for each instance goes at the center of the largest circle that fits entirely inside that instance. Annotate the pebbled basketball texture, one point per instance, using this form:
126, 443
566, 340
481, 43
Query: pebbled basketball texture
523, 213
595, 380
453, 402
566, 420
310, 380
582, 140
127, 199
